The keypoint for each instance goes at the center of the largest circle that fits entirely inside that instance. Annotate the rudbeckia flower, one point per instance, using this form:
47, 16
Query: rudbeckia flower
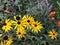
27, 20
37, 26
7, 25
53, 34
20, 32
7, 42
17, 22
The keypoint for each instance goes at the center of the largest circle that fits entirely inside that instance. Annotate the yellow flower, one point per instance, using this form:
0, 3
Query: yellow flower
7, 25
27, 20
37, 26
7, 42
17, 22
53, 34
20, 32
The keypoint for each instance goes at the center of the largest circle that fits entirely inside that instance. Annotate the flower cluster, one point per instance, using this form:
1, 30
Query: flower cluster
22, 25
19, 25
29, 22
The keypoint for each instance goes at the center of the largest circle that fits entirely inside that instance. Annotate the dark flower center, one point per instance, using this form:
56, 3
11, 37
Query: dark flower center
34, 19
47, 43
30, 24
34, 39
19, 33
18, 22
53, 34
35, 25
5, 37
23, 38
4, 24
18, 18
28, 21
